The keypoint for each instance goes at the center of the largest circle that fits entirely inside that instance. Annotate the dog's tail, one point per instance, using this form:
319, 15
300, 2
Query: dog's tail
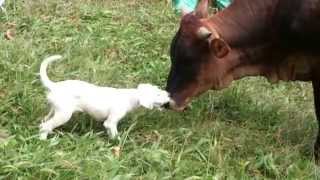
43, 71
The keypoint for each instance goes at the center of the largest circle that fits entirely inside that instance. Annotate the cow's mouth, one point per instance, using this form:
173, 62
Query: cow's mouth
178, 106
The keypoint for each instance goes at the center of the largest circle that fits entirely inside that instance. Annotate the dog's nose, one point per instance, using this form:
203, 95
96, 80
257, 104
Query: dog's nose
166, 105
172, 105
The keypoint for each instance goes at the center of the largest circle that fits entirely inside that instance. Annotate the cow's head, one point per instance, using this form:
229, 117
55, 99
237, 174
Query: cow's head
198, 59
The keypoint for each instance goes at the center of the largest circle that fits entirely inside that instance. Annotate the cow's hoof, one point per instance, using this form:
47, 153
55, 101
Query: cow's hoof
317, 157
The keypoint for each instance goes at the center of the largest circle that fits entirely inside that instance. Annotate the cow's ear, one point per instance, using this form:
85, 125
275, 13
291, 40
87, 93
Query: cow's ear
219, 47
202, 9
184, 12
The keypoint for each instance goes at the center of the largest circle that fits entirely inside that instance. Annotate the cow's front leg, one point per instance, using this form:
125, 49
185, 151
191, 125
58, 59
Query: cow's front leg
316, 94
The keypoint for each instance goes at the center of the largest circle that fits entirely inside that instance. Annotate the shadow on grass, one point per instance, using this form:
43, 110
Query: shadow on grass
81, 123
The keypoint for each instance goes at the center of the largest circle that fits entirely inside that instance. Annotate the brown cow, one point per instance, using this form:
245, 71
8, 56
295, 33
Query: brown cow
277, 39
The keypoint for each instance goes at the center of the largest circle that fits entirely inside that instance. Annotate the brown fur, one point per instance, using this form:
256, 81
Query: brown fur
277, 39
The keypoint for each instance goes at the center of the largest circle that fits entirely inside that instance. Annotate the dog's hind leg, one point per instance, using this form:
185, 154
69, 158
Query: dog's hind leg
59, 118
48, 115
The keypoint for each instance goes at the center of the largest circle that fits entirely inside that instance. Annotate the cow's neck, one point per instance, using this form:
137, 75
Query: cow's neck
244, 62
245, 23
247, 27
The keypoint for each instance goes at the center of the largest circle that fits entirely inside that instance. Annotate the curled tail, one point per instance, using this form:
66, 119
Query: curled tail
46, 82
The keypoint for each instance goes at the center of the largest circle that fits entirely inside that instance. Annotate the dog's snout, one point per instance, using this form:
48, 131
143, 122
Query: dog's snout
166, 105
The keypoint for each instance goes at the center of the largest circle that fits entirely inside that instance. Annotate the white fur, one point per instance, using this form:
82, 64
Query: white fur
2, 8
1, 4
103, 103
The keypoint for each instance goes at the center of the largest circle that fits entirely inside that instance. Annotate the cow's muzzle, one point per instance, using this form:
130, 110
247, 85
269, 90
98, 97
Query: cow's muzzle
174, 106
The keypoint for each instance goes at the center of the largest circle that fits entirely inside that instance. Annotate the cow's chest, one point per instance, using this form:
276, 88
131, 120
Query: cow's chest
297, 66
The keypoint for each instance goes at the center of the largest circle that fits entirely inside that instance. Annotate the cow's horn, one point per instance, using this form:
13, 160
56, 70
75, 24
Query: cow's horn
203, 33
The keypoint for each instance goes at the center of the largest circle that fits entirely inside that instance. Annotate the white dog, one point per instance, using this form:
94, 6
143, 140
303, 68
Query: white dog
103, 103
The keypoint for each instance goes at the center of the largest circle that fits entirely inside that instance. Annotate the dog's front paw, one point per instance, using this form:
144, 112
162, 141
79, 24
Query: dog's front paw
112, 133
111, 129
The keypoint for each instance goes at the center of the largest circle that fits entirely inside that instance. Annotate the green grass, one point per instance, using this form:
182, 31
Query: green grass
252, 130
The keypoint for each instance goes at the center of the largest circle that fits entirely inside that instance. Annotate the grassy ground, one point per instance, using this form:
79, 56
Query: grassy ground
250, 130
